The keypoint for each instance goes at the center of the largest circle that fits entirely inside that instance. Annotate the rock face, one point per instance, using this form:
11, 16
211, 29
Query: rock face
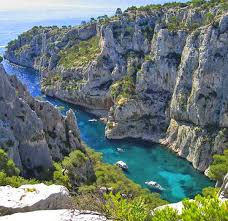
223, 195
33, 132
32, 197
175, 57
55, 215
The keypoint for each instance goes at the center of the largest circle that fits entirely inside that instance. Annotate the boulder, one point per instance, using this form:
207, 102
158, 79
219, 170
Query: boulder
32, 197
55, 215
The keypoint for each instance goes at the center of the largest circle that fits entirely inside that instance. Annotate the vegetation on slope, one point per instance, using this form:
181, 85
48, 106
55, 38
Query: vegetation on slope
219, 167
107, 176
203, 4
205, 207
9, 173
1, 58
202, 209
80, 55
208, 208
123, 90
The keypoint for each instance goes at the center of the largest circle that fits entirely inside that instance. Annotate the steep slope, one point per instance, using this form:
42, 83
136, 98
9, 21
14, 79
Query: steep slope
33, 132
157, 73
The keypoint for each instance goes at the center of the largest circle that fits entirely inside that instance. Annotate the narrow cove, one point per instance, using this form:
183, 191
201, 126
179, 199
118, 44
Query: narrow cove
146, 161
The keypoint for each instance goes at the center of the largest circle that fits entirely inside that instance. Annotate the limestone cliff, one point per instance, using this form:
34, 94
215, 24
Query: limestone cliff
33, 132
157, 73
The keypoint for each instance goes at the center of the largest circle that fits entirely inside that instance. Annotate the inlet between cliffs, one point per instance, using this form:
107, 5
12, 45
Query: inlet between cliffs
145, 161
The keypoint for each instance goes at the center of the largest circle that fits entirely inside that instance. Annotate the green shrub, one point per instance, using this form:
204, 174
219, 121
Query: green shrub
12, 43
1, 58
59, 177
219, 167
209, 17
118, 208
210, 191
7, 166
123, 89
15, 181
166, 214
81, 54
51, 80
204, 209
75, 159
224, 5
196, 3
200, 209
9, 173
174, 24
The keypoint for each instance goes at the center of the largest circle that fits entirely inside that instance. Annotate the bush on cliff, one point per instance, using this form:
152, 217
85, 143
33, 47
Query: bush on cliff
1, 58
201, 209
122, 90
7, 165
9, 173
81, 54
219, 167
111, 177
59, 177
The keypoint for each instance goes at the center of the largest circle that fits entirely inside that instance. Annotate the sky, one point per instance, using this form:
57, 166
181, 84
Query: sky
34, 10
34, 4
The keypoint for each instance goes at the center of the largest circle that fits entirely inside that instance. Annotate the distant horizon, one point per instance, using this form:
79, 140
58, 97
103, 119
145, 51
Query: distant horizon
82, 4
40, 10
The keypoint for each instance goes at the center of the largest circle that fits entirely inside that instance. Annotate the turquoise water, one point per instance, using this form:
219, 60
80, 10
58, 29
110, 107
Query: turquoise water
145, 161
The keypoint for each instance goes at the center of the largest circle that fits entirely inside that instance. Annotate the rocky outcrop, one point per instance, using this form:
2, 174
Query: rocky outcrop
199, 104
55, 215
28, 198
176, 58
41, 202
29, 128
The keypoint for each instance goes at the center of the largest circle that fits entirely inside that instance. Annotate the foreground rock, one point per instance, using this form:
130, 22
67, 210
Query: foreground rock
176, 58
33, 197
33, 132
55, 215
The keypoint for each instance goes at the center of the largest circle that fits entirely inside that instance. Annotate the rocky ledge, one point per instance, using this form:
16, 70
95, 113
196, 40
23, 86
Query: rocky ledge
28, 198
41, 202
157, 73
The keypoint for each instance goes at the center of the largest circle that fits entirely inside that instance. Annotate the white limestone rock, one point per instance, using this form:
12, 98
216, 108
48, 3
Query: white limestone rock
32, 197
176, 206
55, 215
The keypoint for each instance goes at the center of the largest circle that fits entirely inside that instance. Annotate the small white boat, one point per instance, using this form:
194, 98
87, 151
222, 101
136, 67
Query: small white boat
122, 165
154, 185
92, 120
120, 149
